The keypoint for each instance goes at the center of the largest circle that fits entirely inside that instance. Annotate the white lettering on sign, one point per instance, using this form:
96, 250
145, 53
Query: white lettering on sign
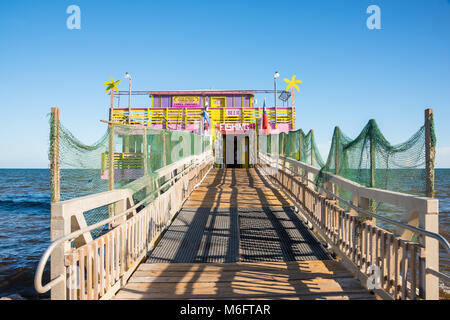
233, 112
234, 126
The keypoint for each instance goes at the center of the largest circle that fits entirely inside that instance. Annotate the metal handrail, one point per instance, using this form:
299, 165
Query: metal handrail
43, 261
430, 234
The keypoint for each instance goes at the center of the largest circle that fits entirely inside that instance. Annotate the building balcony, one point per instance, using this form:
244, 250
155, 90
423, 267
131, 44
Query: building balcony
188, 118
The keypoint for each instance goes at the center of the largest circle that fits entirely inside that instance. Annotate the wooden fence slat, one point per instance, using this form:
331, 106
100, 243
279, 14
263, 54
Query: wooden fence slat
95, 269
89, 272
397, 260
382, 262
404, 269
413, 264
117, 253
82, 274
102, 266
107, 262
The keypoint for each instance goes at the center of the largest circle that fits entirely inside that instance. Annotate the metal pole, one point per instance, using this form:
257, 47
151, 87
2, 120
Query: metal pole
429, 153
129, 103
275, 96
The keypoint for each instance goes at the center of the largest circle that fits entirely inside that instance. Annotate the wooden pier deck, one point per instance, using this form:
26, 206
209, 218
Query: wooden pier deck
237, 237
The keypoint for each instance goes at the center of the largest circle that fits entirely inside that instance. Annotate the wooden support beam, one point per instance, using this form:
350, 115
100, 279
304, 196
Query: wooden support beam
54, 156
336, 155
300, 146
429, 153
145, 151
58, 225
111, 158
164, 148
111, 208
312, 149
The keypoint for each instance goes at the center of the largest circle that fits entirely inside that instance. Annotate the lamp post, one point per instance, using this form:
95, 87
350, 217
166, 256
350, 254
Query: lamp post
127, 75
275, 76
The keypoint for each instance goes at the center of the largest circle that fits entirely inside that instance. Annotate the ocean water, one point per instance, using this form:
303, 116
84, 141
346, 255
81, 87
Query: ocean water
25, 224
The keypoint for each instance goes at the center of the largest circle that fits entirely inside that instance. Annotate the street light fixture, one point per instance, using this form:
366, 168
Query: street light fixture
127, 75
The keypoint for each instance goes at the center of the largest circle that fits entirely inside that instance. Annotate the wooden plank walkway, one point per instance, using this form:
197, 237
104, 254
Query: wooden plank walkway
235, 188
249, 243
305, 280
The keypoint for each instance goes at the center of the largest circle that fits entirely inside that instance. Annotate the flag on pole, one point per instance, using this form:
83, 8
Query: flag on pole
206, 117
265, 124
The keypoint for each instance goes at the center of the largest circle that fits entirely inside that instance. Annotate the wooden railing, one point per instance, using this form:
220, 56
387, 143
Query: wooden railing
407, 270
83, 268
188, 116
123, 161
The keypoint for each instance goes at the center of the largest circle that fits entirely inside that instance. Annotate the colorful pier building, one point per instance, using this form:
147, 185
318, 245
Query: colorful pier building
231, 112
183, 110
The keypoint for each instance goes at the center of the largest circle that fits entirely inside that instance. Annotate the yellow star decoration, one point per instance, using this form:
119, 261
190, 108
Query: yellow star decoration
112, 85
292, 83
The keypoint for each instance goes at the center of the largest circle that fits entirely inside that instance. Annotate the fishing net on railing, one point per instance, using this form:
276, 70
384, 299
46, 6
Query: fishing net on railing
369, 159
372, 161
137, 152
295, 145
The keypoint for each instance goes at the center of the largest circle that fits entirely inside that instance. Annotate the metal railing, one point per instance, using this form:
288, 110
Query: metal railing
98, 268
184, 117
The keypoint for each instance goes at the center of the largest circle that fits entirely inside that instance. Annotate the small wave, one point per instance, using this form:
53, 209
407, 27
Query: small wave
25, 203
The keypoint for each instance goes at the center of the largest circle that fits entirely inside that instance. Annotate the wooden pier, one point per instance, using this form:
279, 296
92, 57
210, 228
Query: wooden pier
260, 233
235, 215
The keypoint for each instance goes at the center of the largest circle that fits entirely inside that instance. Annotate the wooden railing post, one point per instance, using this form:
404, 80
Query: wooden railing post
145, 151
164, 148
111, 158
59, 226
54, 156
337, 164
300, 146
429, 220
336, 151
429, 154
111, 208
312, 149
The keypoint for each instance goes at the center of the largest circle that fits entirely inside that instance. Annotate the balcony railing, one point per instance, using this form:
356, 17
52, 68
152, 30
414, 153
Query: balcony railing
123, 161
188, 116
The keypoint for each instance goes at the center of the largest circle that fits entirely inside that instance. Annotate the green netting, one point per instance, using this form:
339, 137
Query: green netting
369, 159
295, 145
300, 146
372, 161
138, 152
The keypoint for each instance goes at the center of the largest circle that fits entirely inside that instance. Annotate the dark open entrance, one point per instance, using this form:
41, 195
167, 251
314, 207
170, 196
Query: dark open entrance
244, 154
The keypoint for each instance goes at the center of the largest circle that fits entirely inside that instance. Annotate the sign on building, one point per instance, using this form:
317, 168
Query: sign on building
186, 101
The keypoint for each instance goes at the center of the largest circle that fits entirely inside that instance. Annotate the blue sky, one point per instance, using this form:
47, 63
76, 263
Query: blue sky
350, 74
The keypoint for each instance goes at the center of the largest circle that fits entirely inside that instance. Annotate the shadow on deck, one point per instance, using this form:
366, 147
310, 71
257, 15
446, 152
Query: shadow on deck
237, 237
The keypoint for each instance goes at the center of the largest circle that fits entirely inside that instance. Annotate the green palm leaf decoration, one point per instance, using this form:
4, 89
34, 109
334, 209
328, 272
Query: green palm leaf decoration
112, 85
